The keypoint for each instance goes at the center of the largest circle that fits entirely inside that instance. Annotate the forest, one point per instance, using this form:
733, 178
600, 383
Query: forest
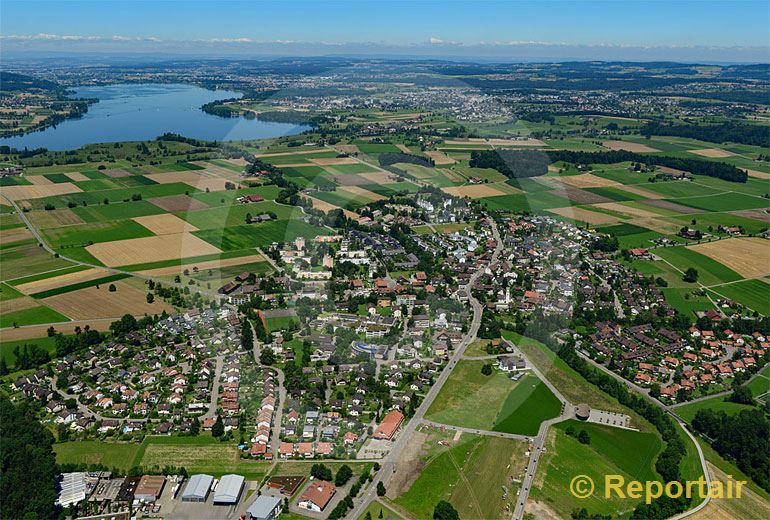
757, 135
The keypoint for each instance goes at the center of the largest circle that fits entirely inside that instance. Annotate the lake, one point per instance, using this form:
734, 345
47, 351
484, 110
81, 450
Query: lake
140, 112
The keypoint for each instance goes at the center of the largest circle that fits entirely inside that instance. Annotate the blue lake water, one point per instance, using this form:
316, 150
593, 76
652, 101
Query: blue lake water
138, 112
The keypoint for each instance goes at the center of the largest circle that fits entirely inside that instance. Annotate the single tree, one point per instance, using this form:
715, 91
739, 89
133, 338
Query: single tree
219, 427
445, 511
381, 489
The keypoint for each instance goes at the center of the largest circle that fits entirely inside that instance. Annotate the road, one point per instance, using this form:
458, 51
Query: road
212, 411
475, 431
275, 435
388, 464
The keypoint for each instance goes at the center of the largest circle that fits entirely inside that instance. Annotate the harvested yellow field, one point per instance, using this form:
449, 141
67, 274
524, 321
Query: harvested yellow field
587, 180
656, 224
474, 191
91, 302
584, 215
758, 175
15, 235
379, 177
629, 147
717, 153
210, 264
440, 158
749, 257
404, 148
626, 210
333, 161
76, 176
38, 192
640, 191
216, 171
165, 224
38, 331
62, 280
39, 180
452, 175
363, 193
151, 249
188, 177
193, 178
283, 154
516, 142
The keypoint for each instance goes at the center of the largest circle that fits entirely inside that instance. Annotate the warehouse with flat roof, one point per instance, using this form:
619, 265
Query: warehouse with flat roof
229, 489
197, 489
265, 507
149, 488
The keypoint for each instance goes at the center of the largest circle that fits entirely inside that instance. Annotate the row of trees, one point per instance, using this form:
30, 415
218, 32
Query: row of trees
756, 135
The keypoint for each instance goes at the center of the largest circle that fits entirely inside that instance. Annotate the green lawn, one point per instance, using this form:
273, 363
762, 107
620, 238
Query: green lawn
259, 235
494, 402
6, 348
718, 404
118, 455
34, 316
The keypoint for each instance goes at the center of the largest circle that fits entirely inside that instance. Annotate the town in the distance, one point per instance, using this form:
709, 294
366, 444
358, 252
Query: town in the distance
326, 288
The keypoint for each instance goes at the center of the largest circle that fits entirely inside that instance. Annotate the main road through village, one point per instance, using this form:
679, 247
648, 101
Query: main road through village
388, 464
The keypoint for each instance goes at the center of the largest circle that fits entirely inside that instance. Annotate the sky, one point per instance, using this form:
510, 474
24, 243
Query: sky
701, 30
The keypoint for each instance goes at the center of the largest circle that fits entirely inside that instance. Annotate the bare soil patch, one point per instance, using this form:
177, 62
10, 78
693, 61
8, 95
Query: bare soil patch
516, 142
175, 203
757, 214
54, 218
474, 191
712, 153
347, 148
101, 303
351, 179
580, 196
630, 147
749, 257
584, 215
587, 180
151, 249
165, 224
18, 304
673, 206
15, 235
379, 177
408, 466
116, 173
404, 148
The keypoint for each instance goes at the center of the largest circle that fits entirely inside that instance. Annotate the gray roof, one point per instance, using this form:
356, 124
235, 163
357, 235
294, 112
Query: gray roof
263, 506
198, 486
229, 488
73, 489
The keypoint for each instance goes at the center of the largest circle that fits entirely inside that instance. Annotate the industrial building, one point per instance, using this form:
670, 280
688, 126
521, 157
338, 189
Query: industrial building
198, 488
229, 489
265, 507
150, 487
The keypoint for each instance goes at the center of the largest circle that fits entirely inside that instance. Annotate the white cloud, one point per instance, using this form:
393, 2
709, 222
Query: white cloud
436, 41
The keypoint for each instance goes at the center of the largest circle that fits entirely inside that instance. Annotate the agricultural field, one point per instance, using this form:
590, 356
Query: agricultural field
474, 473
611, 451
494, 402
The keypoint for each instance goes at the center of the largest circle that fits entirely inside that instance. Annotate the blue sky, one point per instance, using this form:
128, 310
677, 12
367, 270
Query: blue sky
446, 26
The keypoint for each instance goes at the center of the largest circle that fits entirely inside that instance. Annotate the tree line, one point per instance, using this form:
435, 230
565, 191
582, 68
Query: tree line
756, 135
